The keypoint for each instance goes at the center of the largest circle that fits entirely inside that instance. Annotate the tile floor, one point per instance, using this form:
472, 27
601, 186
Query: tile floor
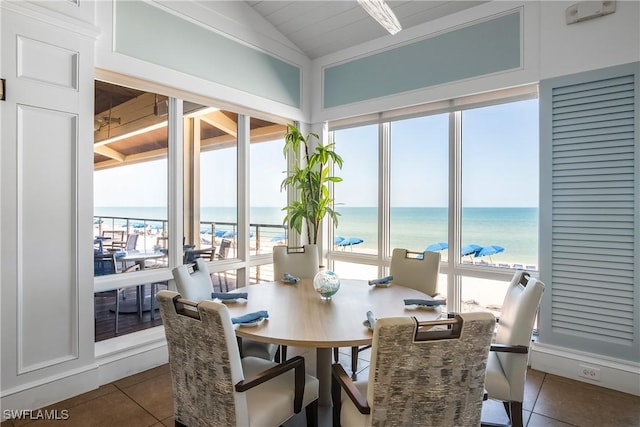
145, 399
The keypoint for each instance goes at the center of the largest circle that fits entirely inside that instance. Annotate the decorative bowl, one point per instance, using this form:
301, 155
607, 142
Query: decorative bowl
326, 283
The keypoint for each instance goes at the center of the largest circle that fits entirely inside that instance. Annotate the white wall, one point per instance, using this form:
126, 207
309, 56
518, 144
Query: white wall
550, 48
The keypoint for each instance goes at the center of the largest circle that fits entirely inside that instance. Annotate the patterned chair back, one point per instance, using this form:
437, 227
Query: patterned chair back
440, 381
205, 363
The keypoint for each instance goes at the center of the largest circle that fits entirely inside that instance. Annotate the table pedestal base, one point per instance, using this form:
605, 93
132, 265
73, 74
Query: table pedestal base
323, 373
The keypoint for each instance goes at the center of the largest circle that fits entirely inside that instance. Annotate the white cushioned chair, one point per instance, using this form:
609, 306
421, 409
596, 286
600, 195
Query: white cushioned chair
416, 270
194, 283
301, 262
440, 381
213, 386
508, 359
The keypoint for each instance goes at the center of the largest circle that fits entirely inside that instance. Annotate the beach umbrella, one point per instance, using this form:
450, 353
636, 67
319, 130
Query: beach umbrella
435, 247
350, 241
489, 250
470, 249
338, 239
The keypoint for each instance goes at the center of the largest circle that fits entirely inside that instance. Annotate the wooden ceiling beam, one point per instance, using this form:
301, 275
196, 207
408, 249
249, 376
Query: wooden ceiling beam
219, 120
109, 152
128, 117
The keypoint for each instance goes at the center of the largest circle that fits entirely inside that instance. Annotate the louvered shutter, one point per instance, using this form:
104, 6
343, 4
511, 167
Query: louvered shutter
589, 211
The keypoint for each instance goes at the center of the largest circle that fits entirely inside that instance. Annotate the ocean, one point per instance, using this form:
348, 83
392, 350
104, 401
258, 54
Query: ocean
414, 228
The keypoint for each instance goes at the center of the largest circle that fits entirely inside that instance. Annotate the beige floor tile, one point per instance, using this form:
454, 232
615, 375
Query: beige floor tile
6, 423
574, 403
537, 420
169, 422
155, 395
142, 376
532, 389
111, 410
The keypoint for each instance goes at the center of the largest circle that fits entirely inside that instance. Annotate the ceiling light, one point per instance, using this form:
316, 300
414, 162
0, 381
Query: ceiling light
382, 13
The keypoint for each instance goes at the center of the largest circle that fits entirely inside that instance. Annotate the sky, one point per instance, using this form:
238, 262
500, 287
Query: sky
499, 166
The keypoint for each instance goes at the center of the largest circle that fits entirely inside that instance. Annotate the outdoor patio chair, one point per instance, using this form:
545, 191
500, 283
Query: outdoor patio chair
223, 252
194, 283
104, 264
213, 385
301, 262
507, 364
440, 381
416, 270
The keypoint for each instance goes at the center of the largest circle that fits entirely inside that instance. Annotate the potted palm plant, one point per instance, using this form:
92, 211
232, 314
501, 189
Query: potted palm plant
311, 176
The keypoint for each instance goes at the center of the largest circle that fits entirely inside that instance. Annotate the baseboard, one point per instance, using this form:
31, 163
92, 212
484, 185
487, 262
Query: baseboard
50, 390
615, 374
114, 359
130, 354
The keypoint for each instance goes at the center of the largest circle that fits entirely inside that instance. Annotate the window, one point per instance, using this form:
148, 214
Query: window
487, 205
356, 197
419, 183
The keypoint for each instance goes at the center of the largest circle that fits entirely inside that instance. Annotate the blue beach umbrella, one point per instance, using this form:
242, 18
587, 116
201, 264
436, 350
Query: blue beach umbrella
350, 241
488, 251
435, 247
338, 239
470, 249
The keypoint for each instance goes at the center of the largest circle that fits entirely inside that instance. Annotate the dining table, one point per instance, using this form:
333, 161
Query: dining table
139, 258
299, 316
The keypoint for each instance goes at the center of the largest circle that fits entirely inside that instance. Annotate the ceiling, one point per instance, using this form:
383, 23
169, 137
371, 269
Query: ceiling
319, 28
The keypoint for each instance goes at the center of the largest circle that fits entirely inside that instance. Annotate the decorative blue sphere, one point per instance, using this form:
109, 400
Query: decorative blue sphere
326, 283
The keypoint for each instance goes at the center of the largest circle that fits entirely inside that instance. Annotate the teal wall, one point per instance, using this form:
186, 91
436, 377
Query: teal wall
148, 33
483, 48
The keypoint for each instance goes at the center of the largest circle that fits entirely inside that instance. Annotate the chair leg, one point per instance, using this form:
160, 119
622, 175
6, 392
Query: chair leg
336, 400
516, 413
507, 408
283, 353
311, 412
335, 354
354, 360
117, 309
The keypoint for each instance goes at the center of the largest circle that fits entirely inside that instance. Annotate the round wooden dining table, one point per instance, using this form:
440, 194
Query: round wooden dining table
299, 316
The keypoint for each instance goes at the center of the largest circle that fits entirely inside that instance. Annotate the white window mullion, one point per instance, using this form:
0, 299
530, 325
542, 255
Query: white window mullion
244, 197
454, 282
384, 162
175, 159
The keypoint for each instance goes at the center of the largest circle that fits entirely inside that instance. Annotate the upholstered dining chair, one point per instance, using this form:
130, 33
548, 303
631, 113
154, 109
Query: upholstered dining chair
440, 381
214, 386
194, 283
416, 270
508, 358
301, 262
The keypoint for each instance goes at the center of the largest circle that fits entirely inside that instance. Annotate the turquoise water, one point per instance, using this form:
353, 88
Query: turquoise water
515, 229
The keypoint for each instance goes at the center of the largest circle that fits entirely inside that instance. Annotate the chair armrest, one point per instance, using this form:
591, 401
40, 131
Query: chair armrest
506, 348
341, 378
296, 363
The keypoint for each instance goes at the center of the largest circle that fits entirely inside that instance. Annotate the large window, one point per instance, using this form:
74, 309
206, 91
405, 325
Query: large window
486, 207
357, 195
419, 183
132, 223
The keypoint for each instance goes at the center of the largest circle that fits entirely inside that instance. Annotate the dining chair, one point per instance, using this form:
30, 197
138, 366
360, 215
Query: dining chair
214, 386
299, 261
104, 264
223, 253
416, 270
508, 358
194, 284
440, 381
